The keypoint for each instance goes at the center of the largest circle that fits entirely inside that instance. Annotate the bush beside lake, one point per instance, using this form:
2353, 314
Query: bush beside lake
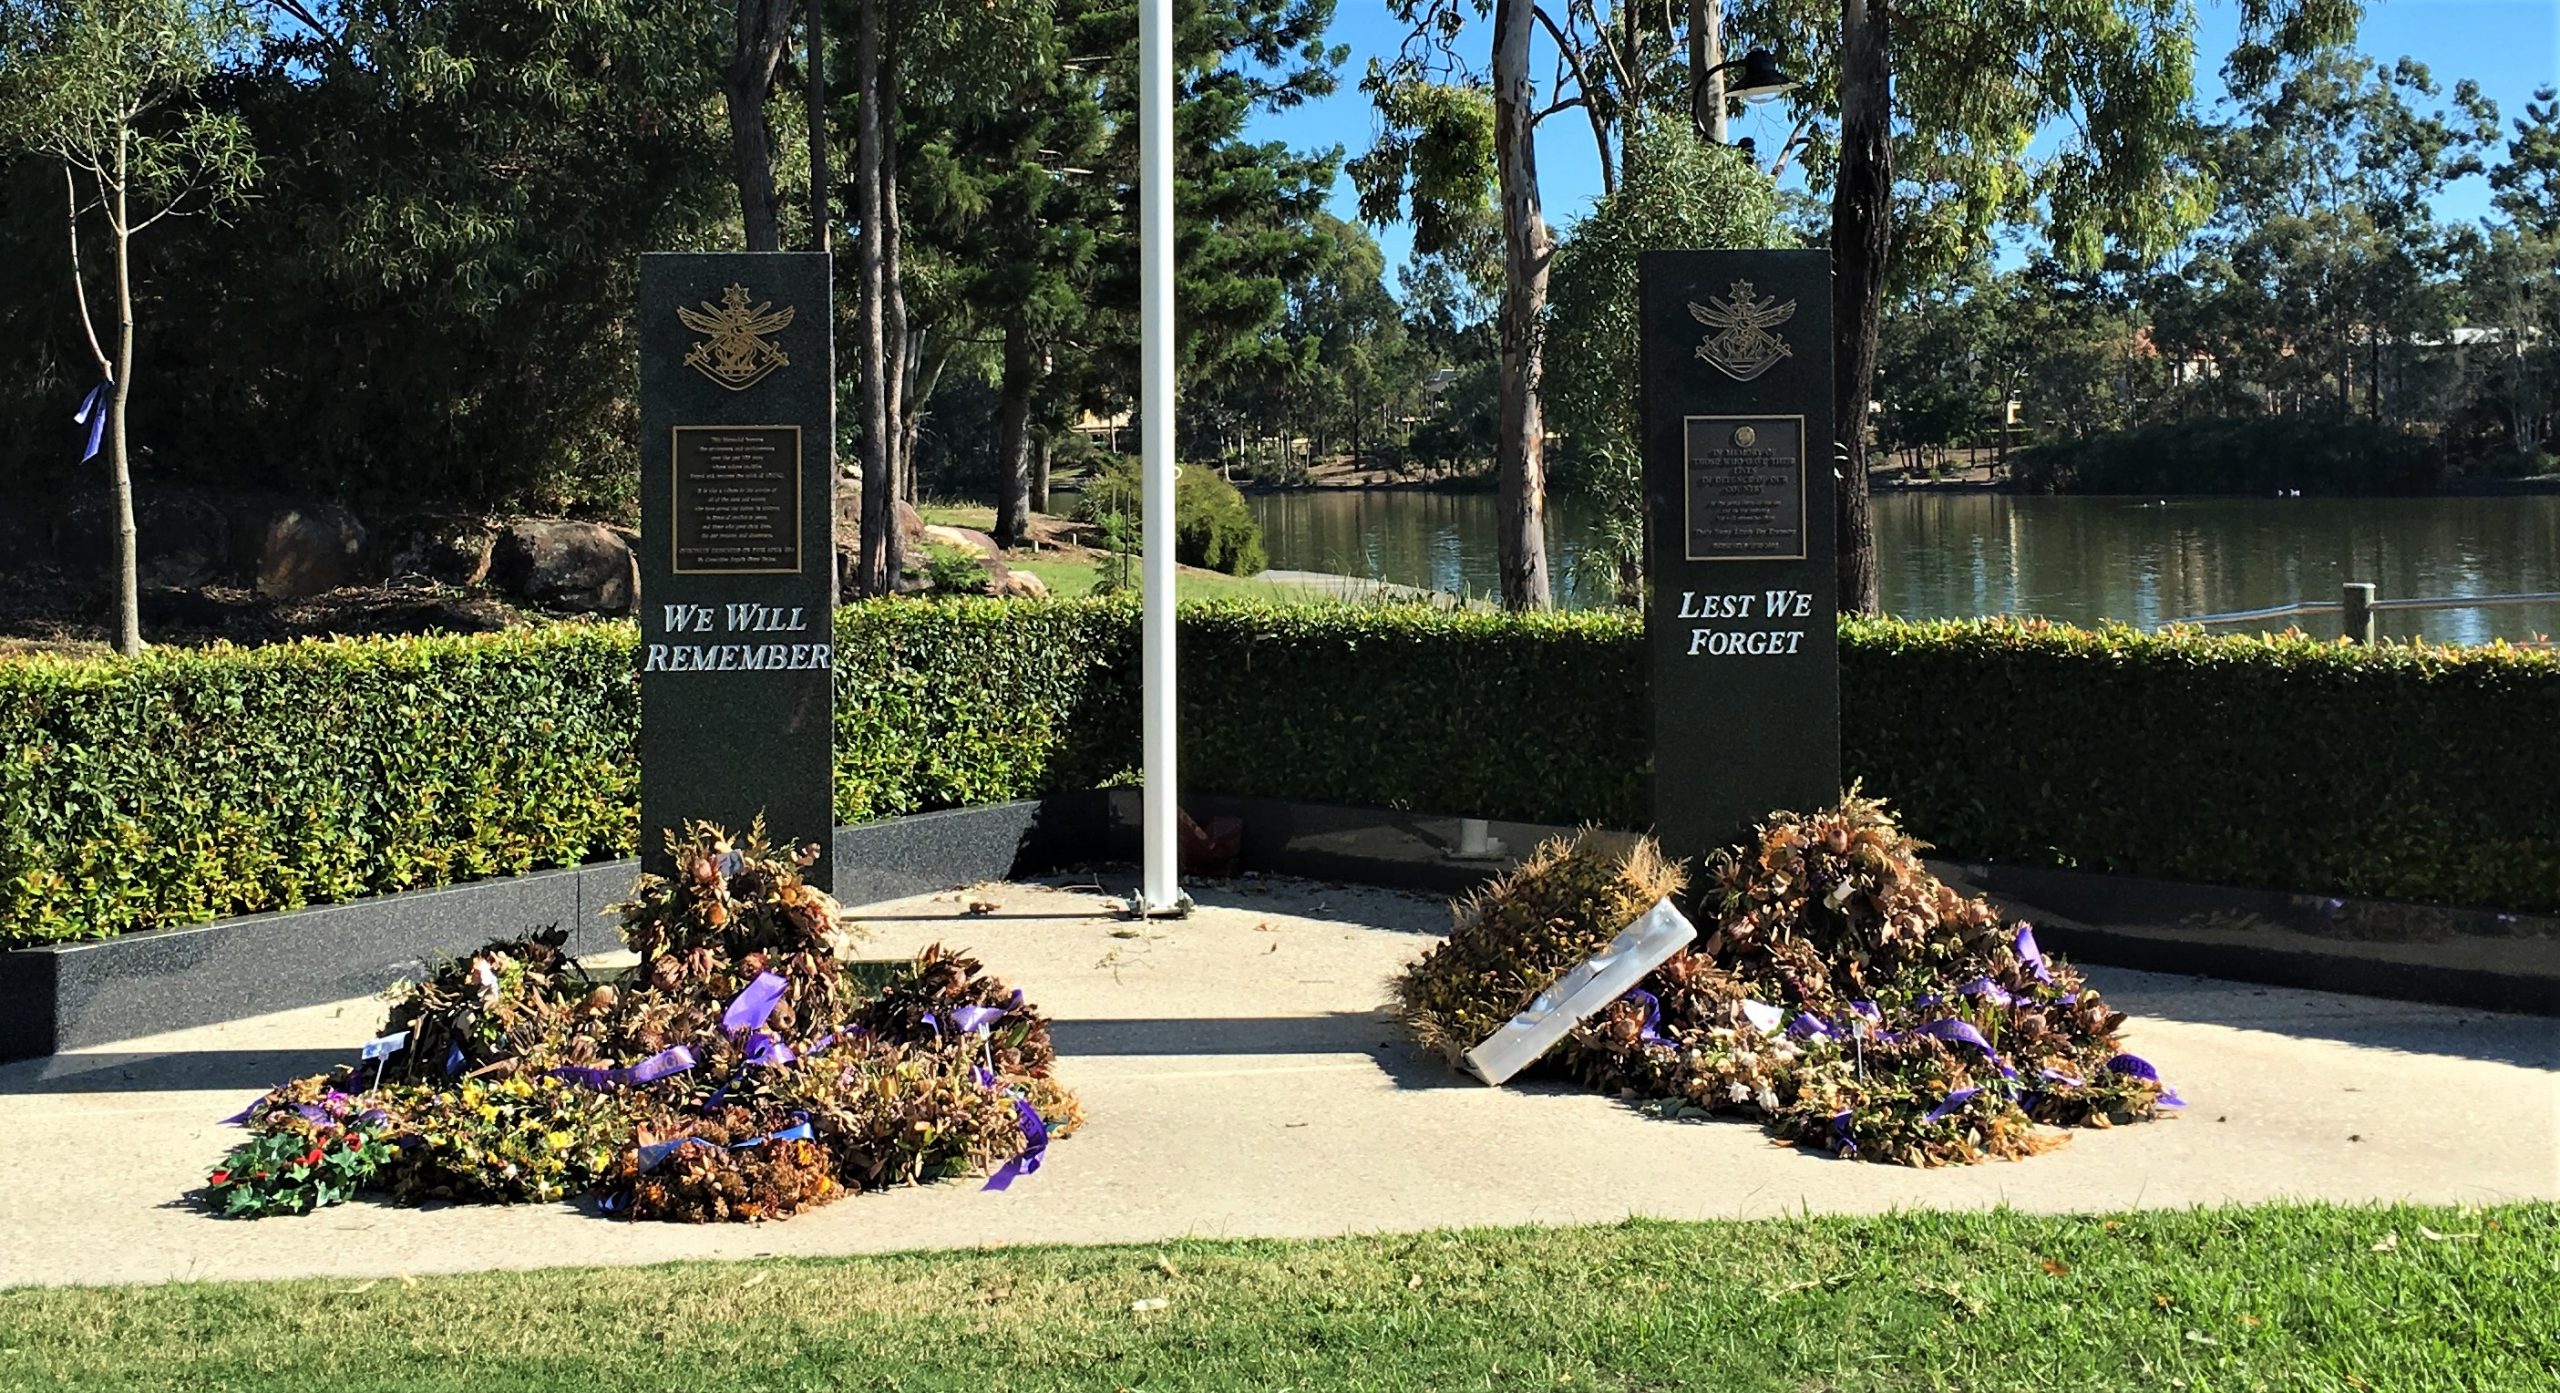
2254, 456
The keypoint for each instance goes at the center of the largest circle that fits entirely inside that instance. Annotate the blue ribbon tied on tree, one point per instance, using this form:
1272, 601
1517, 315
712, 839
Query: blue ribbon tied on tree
93, 414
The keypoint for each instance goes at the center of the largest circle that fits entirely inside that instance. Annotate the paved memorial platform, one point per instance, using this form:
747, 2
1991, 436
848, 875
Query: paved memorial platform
1244, 1080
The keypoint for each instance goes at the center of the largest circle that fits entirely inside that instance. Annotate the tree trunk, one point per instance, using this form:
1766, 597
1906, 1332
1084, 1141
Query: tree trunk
764, 27
1013, 436
1706, 55
119, 457
1042, 450
893, 304
912, 397
821, 222
1520, 448
878, 576
1861, 214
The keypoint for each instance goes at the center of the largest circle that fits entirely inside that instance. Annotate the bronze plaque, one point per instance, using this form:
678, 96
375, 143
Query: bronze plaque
1744, 481
737, 500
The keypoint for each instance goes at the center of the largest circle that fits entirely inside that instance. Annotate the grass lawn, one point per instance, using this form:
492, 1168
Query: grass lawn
1073, 575
1069, 579
2261, 1297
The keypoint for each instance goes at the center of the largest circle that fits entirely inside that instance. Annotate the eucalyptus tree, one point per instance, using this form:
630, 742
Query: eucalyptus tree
112, 91
760, 36
1458, 140
1924, 123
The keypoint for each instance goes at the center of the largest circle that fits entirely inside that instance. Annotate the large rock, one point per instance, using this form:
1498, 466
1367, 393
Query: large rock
1018, 585
182, 539
309, 551
566, 565
849, 536
448, 549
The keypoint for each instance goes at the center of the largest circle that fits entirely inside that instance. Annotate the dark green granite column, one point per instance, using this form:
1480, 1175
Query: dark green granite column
1744, 609
737, 548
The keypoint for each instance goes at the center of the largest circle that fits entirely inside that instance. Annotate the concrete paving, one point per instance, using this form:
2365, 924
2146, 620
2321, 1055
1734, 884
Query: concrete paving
1243, 1080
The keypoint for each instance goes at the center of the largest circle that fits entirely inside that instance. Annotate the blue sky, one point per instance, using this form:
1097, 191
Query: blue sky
2508, 46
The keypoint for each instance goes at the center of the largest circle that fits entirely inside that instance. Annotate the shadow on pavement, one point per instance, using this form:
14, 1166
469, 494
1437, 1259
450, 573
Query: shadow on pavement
2407, 1027
170, 1071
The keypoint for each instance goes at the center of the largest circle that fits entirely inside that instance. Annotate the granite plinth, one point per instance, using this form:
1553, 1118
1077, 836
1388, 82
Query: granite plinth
1740, 540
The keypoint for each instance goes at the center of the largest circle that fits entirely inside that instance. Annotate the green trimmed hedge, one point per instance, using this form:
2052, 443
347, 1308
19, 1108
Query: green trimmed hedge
192, 784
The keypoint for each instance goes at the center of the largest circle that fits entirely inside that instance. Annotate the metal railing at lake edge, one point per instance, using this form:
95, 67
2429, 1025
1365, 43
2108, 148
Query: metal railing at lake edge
2357, 605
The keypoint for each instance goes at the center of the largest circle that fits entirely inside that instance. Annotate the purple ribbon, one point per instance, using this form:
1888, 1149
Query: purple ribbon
2140, 1068
656, 1152
1868, 1010
2031, 955
752, 1006
1806, 1025
1963, 1033
241, 1118
1954, 1102
969, 1020
670, 1061
798, 1131
453, 1060
1035, 1144
1843, 1140
1646, 1034
93, 414
1986, 989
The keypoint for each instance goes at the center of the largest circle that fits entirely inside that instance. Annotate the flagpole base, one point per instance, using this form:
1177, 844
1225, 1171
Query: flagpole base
1141, 908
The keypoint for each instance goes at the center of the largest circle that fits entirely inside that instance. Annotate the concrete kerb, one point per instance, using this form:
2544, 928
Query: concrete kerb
80, 994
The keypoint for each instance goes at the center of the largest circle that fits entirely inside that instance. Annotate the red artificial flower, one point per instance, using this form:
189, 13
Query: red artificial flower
355, 1142
259, 1176
218, 1178
312, 1157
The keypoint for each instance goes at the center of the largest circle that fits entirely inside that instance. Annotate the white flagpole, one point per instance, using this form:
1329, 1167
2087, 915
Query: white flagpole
1161, 891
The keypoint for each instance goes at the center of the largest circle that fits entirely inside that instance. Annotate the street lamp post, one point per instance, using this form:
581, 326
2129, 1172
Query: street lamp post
1761, 80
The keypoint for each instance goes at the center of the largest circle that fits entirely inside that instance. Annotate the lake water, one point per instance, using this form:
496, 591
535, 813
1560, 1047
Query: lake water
1952, 554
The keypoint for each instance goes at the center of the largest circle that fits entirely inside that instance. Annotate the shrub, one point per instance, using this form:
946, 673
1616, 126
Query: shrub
1212, 527
183, 786
2242, 455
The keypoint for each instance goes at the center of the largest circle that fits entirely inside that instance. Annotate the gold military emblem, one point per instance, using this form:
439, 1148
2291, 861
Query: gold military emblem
1744, 437
736, 354
1742, 346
